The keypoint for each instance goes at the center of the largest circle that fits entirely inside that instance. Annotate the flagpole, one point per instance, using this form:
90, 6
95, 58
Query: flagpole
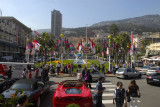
86, 45
131, 48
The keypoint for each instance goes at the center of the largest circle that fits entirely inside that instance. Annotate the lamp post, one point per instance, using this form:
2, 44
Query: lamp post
109, 37
62, 51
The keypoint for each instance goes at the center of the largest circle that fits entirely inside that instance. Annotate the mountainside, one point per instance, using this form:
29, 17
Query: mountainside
147, 21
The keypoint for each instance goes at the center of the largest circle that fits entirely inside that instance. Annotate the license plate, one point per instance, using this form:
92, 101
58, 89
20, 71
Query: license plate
118, 75
155, 80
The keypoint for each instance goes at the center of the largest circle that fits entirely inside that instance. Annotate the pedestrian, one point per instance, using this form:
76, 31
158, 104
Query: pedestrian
72, 68
99, 68
88, 78
69, 69
30, 74
24, 73
22, 100
133, 90
9, 72
119, 95
124, 65
99, 92
84, 72
58, 68
66, 69
44, 75
36, 73
63, 68
103, 68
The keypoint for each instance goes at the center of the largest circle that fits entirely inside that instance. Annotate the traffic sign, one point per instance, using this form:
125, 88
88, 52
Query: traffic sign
86, 50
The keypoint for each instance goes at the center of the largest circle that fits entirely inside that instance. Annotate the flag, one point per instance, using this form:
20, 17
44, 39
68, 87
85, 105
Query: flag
36, 45
36, 33
29, 44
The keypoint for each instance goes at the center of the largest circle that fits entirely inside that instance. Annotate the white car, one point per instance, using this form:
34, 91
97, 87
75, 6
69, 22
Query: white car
94, 73
153, 70
128, 73
144, 69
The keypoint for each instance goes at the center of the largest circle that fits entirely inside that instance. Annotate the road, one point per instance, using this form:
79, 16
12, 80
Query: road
150, 93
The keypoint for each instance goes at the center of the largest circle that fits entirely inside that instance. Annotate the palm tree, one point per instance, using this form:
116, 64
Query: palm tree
47, 43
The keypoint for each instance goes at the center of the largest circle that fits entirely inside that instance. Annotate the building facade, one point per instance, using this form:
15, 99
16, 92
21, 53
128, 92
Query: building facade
56, 23
13, 35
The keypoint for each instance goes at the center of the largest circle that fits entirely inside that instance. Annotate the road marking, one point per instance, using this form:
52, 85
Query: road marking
105, 85
108, 101
106, 90
102, 83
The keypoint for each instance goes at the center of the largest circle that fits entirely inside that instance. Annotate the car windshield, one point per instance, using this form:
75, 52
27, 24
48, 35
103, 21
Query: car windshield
152, 68
145, 67
21, 86
73, 91
121, 70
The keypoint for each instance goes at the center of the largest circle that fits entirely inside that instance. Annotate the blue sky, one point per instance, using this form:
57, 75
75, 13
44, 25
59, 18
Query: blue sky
36, 14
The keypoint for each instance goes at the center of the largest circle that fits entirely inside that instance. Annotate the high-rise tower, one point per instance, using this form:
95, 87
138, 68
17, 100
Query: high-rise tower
56, 23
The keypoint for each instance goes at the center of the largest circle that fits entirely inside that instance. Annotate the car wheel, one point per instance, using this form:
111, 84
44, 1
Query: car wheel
126, 77
139, 76
148, 82
38, 102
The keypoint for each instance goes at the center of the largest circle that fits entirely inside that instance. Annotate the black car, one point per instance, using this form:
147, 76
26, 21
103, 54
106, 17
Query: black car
153, 79
33, 88
5, 83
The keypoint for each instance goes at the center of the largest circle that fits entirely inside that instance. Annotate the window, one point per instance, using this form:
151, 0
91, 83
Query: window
129, 70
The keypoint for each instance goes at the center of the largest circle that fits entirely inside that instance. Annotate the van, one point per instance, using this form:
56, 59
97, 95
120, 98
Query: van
17, 68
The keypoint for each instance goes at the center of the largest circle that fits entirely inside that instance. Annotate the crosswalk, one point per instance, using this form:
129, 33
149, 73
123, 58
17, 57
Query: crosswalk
107, 97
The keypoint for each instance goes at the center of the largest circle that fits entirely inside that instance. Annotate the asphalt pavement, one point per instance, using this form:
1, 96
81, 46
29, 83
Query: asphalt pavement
150, 94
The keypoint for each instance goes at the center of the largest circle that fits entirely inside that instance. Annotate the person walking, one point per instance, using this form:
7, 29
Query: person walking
69, 69
119, 95
24, 73
84, 72
58, 68
103, 68
99, 92
22, 100
133, 90
9, 72
30, 74
88, 78
36, 73
44, 75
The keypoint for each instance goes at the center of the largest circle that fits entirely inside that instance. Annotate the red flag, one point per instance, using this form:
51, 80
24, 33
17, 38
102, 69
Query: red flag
36, 33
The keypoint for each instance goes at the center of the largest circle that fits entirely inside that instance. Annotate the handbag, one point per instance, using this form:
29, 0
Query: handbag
128, 96
139, 95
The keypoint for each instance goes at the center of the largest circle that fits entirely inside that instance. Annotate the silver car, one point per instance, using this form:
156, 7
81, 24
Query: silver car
128, 73
153, 70
94, 73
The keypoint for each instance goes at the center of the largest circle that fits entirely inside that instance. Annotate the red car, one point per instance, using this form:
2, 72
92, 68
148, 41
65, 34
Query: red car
72, 92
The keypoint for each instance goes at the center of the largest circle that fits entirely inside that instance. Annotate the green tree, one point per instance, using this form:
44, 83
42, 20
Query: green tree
114, 30
47, 43
122, 42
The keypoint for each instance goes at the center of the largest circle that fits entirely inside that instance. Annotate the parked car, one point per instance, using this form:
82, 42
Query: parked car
153, 70
153, 79
94, 73
5, 83
128, 73
72, 91
32, 87
144, 69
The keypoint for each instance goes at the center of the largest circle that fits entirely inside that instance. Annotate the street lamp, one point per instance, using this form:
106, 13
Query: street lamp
109, 37
62, 50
